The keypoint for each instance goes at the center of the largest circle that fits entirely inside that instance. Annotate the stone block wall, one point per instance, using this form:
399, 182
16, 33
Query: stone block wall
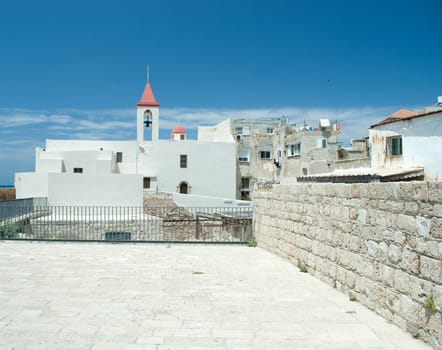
139, 230
380, 243
352, 163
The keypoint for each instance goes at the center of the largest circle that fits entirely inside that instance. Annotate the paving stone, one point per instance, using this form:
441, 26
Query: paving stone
121, 296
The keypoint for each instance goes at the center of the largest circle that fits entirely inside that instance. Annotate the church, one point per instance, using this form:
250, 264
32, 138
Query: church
117, 173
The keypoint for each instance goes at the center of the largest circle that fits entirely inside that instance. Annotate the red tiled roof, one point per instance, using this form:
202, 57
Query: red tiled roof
400, 114
148, 99
405, 114
179, 130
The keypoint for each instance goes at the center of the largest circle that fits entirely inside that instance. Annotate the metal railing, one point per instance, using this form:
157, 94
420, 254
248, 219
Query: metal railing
15, 207
126, 224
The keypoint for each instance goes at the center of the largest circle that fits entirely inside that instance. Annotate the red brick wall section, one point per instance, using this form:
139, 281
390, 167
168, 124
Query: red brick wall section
7, 193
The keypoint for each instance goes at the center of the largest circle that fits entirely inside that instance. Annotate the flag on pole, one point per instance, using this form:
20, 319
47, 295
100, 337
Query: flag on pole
142, 149
339, 127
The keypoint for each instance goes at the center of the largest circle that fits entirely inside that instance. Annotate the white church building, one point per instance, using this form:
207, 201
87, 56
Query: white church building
116, 173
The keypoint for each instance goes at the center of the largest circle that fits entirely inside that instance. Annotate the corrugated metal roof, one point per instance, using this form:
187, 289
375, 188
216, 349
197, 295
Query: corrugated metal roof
365, 175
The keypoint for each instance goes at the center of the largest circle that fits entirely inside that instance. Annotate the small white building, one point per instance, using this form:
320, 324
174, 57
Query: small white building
114, 173
409, 140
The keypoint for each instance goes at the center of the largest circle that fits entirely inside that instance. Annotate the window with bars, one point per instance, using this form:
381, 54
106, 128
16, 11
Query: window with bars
321, 143
119, 157
294, 150
78, 170
394, 145
146, 182
243, 155
245, 195
245, 183
265, 154
242, 130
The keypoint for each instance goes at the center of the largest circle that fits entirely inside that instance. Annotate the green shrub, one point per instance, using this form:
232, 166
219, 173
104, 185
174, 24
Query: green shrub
429, 304
9, 229
252, 243
415, 334
342, 153
301, 266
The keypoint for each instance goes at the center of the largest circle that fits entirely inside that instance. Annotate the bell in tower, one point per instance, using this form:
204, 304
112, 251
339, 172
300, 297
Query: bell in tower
147, 118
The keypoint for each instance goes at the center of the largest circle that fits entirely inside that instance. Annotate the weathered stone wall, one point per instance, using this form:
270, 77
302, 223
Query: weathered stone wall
352, 163
156, 224
380, 243
181, 224
152, 229
94, 230
160, 199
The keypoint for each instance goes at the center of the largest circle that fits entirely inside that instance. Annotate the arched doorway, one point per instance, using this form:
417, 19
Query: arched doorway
184, 187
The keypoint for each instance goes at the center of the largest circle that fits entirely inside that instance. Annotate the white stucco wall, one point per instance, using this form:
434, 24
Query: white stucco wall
211, 169
221, 132
46, 162
211, 166
421, 145
83, 145
95, 190
189, 200
425, 151
92, 156
379, 159
31, 185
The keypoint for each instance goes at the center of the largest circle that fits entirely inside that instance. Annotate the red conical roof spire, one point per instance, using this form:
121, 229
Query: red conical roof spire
148, 99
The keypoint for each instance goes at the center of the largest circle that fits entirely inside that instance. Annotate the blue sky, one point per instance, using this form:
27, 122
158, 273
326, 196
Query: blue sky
75, 69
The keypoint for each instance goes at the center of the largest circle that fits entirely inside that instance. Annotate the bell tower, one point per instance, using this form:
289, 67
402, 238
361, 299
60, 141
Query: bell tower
148, 112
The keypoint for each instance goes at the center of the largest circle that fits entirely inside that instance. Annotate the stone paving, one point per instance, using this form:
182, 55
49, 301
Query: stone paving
146, 296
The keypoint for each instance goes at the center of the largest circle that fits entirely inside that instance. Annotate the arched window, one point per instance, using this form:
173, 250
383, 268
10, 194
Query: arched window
184, 187
147, 118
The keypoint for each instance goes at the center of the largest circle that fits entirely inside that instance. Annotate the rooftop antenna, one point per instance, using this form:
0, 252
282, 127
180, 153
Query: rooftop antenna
148, 73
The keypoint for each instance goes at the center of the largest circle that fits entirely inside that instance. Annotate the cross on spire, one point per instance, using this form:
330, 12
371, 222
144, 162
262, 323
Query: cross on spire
148, 73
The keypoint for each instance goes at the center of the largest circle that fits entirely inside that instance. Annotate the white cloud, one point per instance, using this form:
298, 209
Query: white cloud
121, 123
106, 125
59, 118
116, 113
17, 149
355, 120
14, 120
